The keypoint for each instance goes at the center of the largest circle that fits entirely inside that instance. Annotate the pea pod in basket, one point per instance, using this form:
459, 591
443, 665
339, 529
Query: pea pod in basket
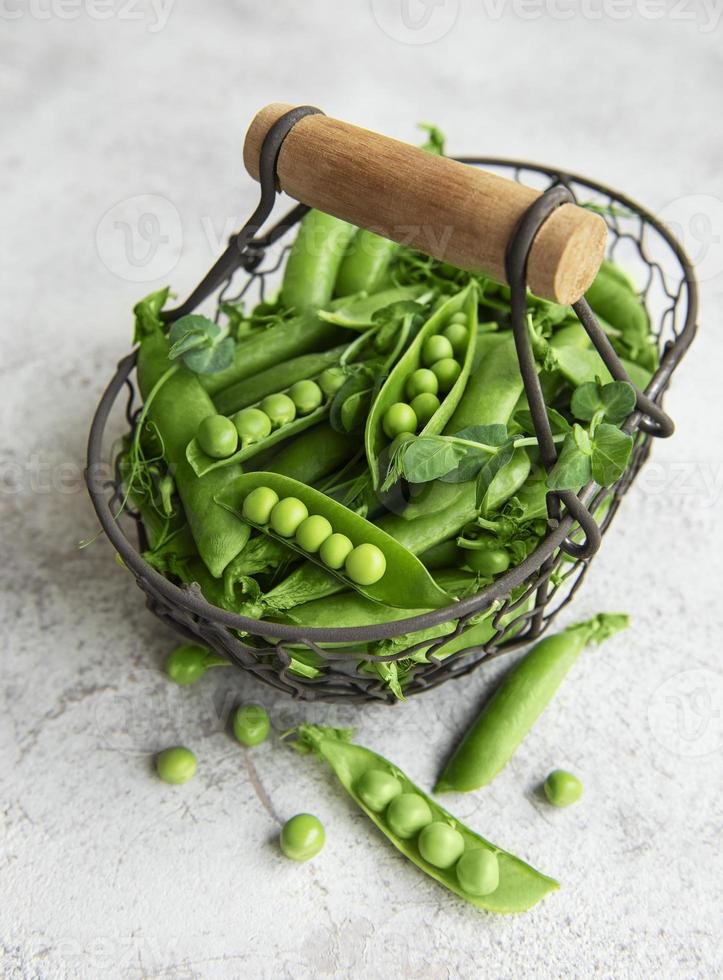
351, 549
427, 382
450, 853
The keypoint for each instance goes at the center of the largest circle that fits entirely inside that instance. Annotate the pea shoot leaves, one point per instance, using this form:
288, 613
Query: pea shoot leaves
202, 345
615, 401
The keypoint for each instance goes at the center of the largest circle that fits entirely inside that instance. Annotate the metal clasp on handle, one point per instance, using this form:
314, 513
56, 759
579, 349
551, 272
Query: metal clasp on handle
655, 421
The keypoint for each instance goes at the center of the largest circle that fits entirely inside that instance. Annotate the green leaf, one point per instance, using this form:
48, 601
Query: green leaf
202, 345
147, 314
615, 400
430, 457
558, 423
490, 469
468, 467
582, 439
435, 139
486, 435
573, 468
610, 454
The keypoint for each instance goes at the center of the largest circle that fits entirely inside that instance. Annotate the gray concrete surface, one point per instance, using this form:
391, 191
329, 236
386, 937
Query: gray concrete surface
111, 110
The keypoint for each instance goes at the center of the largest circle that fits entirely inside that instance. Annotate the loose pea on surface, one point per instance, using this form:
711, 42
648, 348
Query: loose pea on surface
302, 837
436, 348
313, 532
279, 408
176, 765
252, 425
331, 380
447, 371
307, 396
251, 724
366, 564
420, 382
287, 515
440, 845
562, 788
335, 550
217, 436
399, 418
407, 814
259, 503
478, 872
376, 789
424, 406
188, 663
458, 335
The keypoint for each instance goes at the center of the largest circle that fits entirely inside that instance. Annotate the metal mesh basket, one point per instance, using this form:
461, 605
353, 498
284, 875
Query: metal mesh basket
528, 597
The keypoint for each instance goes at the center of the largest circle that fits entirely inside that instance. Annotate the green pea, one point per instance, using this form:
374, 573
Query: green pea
251, 724
302, 837
459, 318
458, 335
366, 564
478, 872
280, 409
487, 561
313, 532
331, 380
421, 382
217, 436
399, 418
562, 788
307, 396
424, 406
376, 789
407, 814
335, 550
436, 348
188, 663
259, 504
176, 765
287, 515
447, 371
440, 845
252, 425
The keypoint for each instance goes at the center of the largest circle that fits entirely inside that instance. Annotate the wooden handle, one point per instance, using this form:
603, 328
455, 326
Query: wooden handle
454, 212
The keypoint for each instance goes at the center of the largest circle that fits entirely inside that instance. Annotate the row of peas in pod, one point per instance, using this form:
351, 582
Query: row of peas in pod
442, 354
289, 517
221, 437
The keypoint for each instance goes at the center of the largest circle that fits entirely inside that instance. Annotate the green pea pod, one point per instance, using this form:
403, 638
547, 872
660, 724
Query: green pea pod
314, 261
316, 454
506, 482
393, 389
202, 464
304, 334
357, 312
405, 582
520, 886
582, 365
277, 378
613, 297
365, 264
517, 704
493, 389
179, 405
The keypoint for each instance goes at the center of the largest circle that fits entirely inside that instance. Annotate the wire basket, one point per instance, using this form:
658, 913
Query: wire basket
528, 597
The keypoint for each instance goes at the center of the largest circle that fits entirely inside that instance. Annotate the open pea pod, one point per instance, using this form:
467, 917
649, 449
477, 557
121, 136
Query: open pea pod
405, 582
201, 463
393, 389
520, 885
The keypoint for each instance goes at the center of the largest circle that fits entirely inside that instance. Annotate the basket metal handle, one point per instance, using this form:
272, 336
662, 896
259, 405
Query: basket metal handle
454, 212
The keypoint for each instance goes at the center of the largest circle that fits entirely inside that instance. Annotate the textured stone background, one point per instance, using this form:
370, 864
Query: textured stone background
105, 871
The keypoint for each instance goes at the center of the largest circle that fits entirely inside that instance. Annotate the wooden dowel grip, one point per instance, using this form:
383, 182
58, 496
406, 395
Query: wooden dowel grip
454, 212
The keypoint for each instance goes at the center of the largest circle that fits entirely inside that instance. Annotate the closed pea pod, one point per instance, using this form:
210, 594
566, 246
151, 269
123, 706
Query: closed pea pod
411, 370
404, 580
314, 261
516, 705
518, 886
